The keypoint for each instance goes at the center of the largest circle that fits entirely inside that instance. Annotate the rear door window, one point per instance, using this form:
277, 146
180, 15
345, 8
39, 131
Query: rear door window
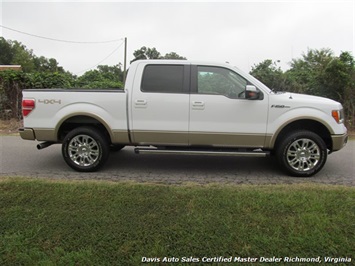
163, 79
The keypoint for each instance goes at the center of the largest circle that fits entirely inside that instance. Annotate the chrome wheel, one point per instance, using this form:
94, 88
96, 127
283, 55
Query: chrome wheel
303, 155
83, 150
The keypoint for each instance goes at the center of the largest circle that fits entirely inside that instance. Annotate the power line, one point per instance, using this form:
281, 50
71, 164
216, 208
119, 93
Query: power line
101, 60
58, 40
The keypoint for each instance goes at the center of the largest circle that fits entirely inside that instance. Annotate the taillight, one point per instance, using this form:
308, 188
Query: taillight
27, 106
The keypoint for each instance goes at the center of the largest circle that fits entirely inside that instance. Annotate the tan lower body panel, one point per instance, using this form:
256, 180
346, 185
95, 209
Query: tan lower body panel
339, 141
171, 138
227, 139
160, 138
199, 139
43, 134
120, 136
27, 133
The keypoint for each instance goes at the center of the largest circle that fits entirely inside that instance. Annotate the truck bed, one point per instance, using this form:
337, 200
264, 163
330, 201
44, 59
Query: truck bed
53, 107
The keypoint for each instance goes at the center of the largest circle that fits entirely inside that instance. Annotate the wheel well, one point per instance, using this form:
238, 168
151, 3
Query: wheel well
306, 124
79, 121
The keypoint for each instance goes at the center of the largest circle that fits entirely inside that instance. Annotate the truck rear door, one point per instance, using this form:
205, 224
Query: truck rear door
160, 104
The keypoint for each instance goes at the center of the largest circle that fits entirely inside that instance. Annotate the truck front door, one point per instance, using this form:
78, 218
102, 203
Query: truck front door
220, 113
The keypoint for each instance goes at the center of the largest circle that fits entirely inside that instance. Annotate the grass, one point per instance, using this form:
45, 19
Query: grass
44, 222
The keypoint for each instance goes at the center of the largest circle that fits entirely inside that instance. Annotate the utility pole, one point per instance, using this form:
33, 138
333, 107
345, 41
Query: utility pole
125, 61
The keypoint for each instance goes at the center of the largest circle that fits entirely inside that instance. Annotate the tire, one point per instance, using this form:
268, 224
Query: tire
302, 153
85, 149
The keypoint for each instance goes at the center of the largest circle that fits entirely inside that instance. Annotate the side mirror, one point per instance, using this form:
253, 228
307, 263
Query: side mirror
252, 93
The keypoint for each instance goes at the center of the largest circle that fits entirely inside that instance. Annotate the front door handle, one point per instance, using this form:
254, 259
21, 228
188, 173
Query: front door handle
140, 103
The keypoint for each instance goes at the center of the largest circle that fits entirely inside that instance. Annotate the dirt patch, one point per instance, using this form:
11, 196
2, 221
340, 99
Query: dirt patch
10, 126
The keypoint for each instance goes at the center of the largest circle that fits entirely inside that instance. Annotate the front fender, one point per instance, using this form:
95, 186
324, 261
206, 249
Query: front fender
277, 121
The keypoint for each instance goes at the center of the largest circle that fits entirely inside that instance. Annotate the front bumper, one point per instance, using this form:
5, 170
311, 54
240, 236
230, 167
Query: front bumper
339, 141
27, 133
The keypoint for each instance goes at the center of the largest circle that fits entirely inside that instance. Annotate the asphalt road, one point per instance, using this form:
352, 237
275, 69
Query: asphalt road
21, 158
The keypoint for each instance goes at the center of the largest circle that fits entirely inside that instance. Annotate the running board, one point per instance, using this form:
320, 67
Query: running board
203, 152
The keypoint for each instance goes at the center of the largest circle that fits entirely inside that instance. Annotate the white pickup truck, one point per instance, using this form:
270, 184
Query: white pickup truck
185, 107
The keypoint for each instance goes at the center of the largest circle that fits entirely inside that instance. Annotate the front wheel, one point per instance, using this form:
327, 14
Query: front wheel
302, 153
85, 149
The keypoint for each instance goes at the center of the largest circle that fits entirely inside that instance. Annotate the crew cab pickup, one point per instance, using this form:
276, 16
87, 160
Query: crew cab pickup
185, 107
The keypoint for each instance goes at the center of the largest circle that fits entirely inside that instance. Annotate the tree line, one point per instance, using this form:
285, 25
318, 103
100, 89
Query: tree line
318, 72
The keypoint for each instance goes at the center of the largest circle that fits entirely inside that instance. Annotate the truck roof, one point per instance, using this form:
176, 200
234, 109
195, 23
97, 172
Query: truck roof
184, 62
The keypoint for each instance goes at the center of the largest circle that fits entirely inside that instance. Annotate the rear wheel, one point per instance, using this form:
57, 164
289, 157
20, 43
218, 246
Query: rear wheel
85, 149
302, 153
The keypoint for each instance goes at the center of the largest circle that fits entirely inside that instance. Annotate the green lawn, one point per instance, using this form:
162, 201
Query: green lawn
46, 222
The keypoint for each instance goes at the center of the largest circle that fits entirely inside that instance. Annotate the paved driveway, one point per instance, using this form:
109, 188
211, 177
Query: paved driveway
21, 158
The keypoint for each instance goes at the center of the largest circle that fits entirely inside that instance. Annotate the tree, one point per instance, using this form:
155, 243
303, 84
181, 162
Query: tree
173, 55
7, 52
145, 53
317, 72
11, 84
114, 73
22, 56
44, 64
104, 77
49, 80
268, 73
307, 71
152, 53
338, 83
15, 53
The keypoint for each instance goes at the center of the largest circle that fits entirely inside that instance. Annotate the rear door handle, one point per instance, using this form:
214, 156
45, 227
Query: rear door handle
141, 102
198, 105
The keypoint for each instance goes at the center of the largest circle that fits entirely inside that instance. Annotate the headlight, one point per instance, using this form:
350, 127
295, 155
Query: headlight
338, 116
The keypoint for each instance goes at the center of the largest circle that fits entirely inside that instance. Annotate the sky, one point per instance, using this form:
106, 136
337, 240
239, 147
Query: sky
243, 33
